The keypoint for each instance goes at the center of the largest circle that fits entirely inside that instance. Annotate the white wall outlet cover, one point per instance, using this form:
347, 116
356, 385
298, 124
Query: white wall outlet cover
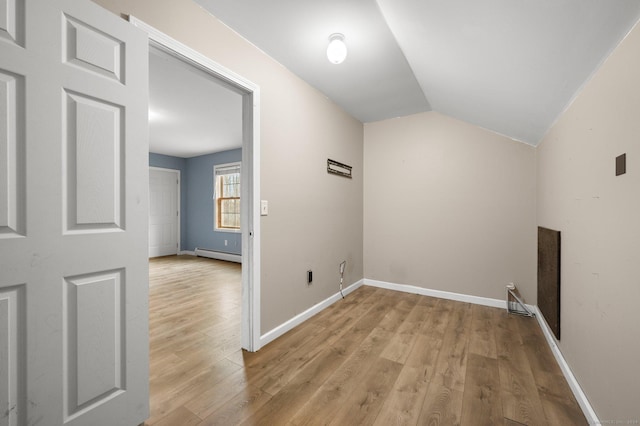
264, 207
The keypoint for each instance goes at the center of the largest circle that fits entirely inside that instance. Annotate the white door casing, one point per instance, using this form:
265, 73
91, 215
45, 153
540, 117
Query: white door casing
164, 211
250, 191
73, 215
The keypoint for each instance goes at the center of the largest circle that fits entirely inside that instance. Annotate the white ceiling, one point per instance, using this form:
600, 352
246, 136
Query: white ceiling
190, 113
511, 66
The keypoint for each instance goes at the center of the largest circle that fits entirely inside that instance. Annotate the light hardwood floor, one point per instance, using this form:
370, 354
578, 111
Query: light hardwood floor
377, 357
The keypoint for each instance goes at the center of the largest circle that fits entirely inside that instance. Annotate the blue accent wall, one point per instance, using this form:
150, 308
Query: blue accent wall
196, 200
200, 229
175, 163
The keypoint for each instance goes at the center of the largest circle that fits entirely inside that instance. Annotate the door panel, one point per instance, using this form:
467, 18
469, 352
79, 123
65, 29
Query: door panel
94, 169
88, 47
94, 361
11, 21
12, 354
74, 215
12, 196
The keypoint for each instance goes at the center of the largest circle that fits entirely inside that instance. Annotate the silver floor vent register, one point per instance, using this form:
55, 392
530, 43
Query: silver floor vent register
515, 305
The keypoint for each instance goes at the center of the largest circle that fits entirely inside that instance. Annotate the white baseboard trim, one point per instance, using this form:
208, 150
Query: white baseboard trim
303, 316
190, 253
587, 409
459, 297
212, 254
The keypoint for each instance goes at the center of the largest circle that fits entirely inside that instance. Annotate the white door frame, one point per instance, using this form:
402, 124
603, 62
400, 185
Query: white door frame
250, 207
179, 218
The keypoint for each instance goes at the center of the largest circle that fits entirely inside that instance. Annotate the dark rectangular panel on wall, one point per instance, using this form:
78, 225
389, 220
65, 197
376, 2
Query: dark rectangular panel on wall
549, 277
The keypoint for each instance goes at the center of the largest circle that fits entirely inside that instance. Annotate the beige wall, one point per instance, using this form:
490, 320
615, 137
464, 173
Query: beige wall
599, 217
315, 219
449, 206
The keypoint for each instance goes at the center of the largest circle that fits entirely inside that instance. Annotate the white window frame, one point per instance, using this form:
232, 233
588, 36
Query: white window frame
237, 164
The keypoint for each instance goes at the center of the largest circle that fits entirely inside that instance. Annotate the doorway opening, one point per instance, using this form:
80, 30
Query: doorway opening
250, 169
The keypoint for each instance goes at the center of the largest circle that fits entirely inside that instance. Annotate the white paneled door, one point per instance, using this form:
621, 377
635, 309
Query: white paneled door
73, 215
164, 211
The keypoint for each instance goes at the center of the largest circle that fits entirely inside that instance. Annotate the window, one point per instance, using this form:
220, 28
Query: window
227, 196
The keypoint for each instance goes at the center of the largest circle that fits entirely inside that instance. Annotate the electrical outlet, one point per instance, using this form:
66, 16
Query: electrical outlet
309, 276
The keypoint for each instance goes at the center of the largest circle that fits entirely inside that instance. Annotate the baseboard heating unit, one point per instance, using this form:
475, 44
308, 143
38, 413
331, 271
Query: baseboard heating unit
220, 255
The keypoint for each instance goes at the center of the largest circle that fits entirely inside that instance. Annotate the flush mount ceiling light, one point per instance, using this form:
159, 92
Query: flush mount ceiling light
337, 50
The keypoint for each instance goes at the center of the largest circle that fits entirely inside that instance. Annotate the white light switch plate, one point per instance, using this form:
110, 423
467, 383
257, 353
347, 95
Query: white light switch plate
264, 207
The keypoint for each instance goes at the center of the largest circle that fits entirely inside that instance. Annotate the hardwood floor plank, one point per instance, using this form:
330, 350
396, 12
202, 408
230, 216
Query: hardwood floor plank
520, 398
428, 301
509, 422
351, 307
443, 402
361, 407
555, 394
343, 315
483, 340
452, 360
273, 353
184, 299
209, 350
403, 340
291, 398
376, 357
396, 316
438, 320
481, 404
442, 405
279, 376
179, 416
324, 403
159, 365
431, 335
169, 395
211, 399
171, 380
406, 397
560, 412
238, 408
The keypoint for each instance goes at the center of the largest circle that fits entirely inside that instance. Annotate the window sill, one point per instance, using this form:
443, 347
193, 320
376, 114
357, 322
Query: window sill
230, 231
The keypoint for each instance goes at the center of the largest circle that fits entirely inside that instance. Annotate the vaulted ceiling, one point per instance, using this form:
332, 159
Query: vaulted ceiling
510, 66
